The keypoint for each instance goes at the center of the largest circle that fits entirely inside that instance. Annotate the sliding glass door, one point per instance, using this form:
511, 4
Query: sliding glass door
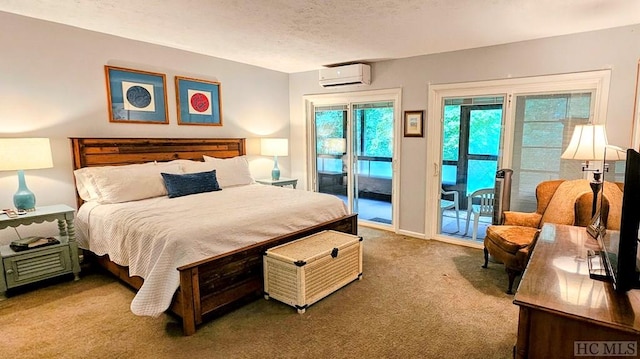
373, 155
519, 124
472, 132
354, 155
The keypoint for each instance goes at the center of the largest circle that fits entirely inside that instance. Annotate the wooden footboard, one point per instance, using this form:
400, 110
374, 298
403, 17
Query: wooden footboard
219, 284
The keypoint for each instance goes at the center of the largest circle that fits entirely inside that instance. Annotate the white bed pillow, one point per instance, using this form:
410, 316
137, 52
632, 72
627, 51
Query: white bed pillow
189, 166
231, 171
115, 184
86, 189
84, 179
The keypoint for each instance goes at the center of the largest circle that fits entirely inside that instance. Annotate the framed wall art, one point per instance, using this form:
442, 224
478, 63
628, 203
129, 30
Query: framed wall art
136, 96
413, 123
199, 102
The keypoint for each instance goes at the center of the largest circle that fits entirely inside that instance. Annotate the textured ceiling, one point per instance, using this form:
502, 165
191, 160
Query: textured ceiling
301, 35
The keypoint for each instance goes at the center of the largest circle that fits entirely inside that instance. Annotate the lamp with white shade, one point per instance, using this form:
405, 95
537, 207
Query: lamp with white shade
336, 146
20, 154
588, 143
274, 147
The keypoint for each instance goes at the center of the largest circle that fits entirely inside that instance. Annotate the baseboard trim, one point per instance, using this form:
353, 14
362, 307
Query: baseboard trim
412, 234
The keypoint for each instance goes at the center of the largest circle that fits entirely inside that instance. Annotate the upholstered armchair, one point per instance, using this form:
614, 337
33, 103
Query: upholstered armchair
559, 202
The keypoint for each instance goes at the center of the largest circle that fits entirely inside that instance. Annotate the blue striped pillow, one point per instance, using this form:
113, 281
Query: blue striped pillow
179, 185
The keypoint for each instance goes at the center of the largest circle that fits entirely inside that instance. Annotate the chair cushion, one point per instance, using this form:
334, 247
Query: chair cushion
511, 238
531, 219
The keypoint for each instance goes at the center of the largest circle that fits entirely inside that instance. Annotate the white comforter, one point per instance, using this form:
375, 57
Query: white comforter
155, 236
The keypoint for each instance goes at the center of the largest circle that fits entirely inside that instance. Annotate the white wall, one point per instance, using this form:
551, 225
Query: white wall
617, 49
53, 85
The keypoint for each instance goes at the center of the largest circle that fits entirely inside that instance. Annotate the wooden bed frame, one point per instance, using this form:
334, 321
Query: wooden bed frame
213, 286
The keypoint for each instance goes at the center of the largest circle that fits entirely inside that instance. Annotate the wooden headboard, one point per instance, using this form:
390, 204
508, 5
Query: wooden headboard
92, 152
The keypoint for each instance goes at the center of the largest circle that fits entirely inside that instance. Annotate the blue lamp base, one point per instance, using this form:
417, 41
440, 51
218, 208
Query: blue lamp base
275, 172
24, 199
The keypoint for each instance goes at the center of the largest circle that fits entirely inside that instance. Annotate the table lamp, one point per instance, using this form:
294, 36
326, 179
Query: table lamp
274, 147
19, 154
588, 143
336, 146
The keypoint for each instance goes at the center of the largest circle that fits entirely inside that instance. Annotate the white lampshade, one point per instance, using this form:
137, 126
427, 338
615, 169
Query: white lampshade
19, 154
336, 146
587, 143
274, 147
615, 153
25, 154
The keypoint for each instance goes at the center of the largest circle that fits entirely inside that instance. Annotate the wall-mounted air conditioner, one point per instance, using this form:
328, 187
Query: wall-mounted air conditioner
356, 74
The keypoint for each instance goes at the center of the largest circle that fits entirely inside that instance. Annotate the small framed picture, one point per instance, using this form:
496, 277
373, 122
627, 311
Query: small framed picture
199, 102
413, 123
136, 96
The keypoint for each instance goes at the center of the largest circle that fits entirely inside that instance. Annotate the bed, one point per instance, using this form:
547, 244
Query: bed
220, 280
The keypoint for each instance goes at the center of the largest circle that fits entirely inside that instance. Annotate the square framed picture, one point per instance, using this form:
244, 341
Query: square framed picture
136, 96
413, 123
199, 102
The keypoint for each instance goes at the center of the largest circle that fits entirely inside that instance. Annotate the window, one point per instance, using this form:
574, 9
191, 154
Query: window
543, 127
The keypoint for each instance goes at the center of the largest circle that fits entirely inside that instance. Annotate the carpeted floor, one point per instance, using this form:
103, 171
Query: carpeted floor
417, 299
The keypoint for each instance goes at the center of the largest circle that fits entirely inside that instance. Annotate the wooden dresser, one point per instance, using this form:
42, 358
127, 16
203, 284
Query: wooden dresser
560, 306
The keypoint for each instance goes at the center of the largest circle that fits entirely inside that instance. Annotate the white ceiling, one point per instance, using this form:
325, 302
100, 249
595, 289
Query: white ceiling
301, 35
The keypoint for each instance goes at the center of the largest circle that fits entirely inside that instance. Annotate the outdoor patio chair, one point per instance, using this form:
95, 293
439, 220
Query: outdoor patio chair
479, 204
451, 203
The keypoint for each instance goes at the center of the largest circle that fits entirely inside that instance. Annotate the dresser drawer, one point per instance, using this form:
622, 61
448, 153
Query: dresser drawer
34, 265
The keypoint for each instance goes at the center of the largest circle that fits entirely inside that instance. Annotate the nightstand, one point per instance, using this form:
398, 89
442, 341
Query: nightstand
33, 265
281, 182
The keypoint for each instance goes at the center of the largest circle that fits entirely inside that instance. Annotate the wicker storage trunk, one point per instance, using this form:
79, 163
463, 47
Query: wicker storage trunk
302, 272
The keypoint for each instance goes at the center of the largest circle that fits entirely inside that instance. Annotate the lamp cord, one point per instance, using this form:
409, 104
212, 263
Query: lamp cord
16, 229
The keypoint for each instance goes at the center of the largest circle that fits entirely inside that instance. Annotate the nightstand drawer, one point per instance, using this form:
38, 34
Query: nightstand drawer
34, 265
